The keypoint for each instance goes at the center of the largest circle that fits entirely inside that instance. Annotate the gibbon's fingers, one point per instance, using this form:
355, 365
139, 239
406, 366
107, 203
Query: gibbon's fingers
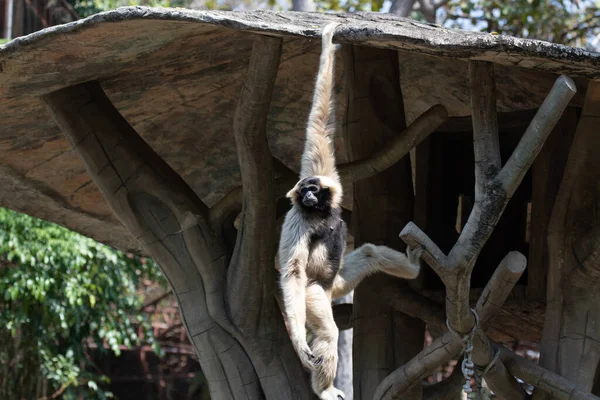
369, 259
318, 158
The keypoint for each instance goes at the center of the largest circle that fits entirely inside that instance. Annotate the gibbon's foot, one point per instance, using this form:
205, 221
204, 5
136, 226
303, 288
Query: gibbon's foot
414, 255
332, 394
308, 359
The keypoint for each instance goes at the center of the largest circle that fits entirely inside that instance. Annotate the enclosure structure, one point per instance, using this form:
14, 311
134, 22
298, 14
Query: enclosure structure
175, 134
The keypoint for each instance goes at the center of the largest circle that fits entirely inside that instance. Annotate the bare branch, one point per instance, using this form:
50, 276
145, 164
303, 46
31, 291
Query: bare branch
553, 384
495, 195
439, 352
485, 124
449, 345
415, 237
499, 286
392, 152
534, 137
254, 251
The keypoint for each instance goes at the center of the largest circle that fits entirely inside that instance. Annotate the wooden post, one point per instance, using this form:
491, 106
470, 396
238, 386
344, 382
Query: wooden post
384, 338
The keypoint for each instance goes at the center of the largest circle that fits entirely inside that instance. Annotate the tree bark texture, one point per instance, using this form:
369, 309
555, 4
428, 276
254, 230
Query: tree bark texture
225, 283
383, 338
572, 328
244, 352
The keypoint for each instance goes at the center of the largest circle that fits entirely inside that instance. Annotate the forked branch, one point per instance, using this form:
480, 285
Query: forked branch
494, 188
449, 345
250, 269
165, 215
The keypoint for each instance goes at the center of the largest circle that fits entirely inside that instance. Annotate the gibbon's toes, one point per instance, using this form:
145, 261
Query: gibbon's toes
306, 356
318, 361
332, 394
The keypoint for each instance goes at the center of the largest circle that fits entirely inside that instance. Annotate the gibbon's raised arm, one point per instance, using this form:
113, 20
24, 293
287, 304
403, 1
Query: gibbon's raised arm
318, 158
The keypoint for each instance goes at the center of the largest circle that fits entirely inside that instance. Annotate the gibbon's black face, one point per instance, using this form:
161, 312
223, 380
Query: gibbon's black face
312, 196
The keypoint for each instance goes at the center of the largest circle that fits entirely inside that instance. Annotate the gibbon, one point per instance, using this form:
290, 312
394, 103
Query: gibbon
313, 239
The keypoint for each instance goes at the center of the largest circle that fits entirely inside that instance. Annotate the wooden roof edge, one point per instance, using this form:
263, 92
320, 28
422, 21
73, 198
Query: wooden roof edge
371, 29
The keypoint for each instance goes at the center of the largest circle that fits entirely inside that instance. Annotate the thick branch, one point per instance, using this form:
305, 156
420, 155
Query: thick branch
534, 137
250, 269
415, 238
492, 298
497, 377
400, 146
499, 286
449, 345
485, 124
549, 382
165, 215
496, 194
439, 352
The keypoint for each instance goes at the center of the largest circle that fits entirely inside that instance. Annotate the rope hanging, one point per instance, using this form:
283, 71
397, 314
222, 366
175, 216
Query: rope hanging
467, 366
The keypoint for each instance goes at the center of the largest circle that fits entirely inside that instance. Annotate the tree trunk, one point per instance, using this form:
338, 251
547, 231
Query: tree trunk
384, 338
572, 327
236, 328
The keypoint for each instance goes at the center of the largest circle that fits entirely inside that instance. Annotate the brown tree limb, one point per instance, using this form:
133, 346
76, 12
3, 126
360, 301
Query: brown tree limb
449, 345
485, 123
555, 385
570, 338
166, 216
499, 286
250, 272
496, 193
389, 154
535, 136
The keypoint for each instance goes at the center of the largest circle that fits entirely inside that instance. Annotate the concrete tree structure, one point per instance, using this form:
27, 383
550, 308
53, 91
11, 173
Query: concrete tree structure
175, 134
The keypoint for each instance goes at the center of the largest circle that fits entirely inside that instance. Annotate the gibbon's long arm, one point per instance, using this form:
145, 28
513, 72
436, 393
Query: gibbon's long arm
318, 158
293, 282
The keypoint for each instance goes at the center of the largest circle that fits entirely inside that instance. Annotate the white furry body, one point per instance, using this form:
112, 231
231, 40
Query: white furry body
313, 269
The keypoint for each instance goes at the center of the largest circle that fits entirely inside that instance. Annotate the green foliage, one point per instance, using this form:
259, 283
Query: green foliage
571, 22
60, 291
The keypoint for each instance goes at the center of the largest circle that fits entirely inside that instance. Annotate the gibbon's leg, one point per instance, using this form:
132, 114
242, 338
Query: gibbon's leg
324, 345
293, 285
368, 259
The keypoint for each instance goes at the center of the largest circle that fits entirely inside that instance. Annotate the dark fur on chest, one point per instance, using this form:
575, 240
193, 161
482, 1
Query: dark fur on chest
328, 235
